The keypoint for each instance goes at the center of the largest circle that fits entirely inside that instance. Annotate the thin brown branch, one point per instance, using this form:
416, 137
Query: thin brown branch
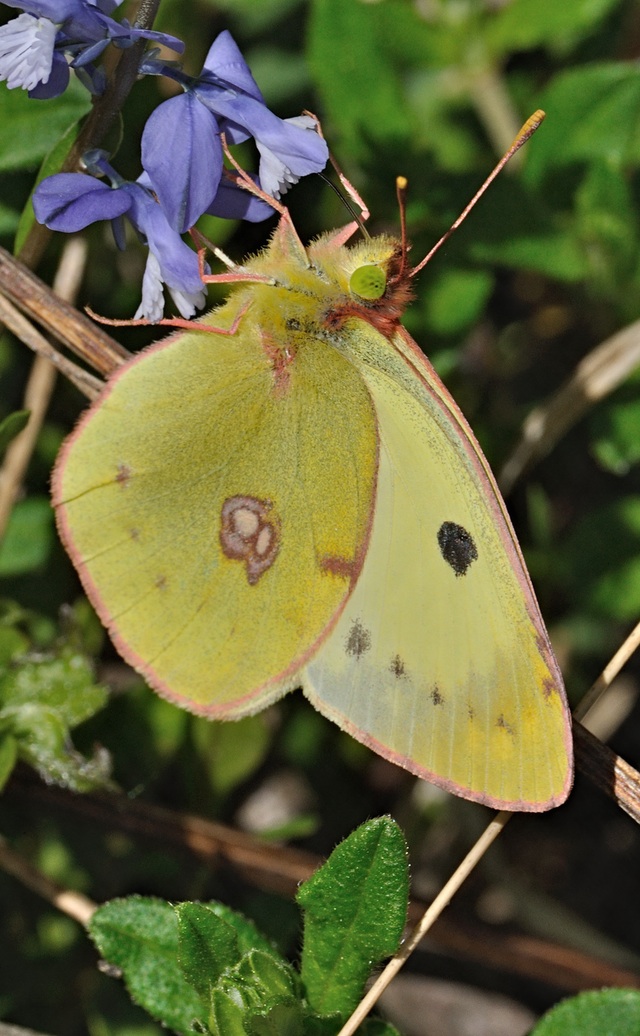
71, 328
38, 391
24, 330
17, 1030
74, 904
609, 673
607, 770
597, 375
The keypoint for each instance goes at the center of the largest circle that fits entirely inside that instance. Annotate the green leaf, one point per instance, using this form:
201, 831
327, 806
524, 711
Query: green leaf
8, 220
260, 977
231, 752
42, 739
248, 936
593, 111
41, 699
36, 630
254, 19
29, 537
343, 74
206, 946
525, 24
29, 129
64, 683
616, 432
455, 299
12, 426
601, 560
8, 757
598, 1012
140, 936
557, 255
227, 1016
51, 164
13, 644
608, 227
279, 1020
258, 992
378, 1027
355, 908
330, 1025
514, 227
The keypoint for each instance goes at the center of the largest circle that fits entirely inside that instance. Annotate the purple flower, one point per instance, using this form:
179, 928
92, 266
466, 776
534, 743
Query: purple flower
181, 146
71, 201
235, 202
35, 46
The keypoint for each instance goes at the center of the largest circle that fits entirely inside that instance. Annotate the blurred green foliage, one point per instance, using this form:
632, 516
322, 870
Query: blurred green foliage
545, 269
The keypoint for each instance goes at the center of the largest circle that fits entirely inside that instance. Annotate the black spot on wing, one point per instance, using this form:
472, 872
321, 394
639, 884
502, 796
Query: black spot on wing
457, 547
436, 696
359, 640
503, 724
397, 667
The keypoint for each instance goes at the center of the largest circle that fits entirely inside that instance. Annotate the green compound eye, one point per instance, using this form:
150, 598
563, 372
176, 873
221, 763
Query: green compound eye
369, 282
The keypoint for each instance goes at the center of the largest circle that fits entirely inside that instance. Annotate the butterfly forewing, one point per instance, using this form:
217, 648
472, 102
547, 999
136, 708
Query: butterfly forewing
440, 660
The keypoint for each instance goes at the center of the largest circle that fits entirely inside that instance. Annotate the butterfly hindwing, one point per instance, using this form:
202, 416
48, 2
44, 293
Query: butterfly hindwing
218, 540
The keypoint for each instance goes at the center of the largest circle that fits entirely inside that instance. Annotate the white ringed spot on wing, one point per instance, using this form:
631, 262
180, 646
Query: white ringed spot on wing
250, 532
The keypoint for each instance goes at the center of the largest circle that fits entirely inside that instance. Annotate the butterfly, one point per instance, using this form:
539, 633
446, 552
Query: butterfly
291, 497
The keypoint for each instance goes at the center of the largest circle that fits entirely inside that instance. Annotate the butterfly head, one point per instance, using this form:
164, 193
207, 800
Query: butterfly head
376, 285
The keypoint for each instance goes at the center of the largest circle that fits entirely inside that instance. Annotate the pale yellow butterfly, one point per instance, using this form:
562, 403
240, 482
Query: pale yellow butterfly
291, 498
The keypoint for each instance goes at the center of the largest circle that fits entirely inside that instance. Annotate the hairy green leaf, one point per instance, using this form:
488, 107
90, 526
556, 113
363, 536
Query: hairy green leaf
140, 936
598, 1012
355, 908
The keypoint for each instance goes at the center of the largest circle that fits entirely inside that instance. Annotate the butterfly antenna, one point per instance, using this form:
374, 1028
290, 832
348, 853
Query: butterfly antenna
401, 193
347, 204
527, 131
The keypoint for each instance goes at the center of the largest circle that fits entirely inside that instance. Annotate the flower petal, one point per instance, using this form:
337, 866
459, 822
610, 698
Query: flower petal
226, 63
288, 152
182, 155
164, 38
178, 263
26, 51
55, 10
187, 303
71, 201
57, 82
152, 302
235, 202
290, 148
